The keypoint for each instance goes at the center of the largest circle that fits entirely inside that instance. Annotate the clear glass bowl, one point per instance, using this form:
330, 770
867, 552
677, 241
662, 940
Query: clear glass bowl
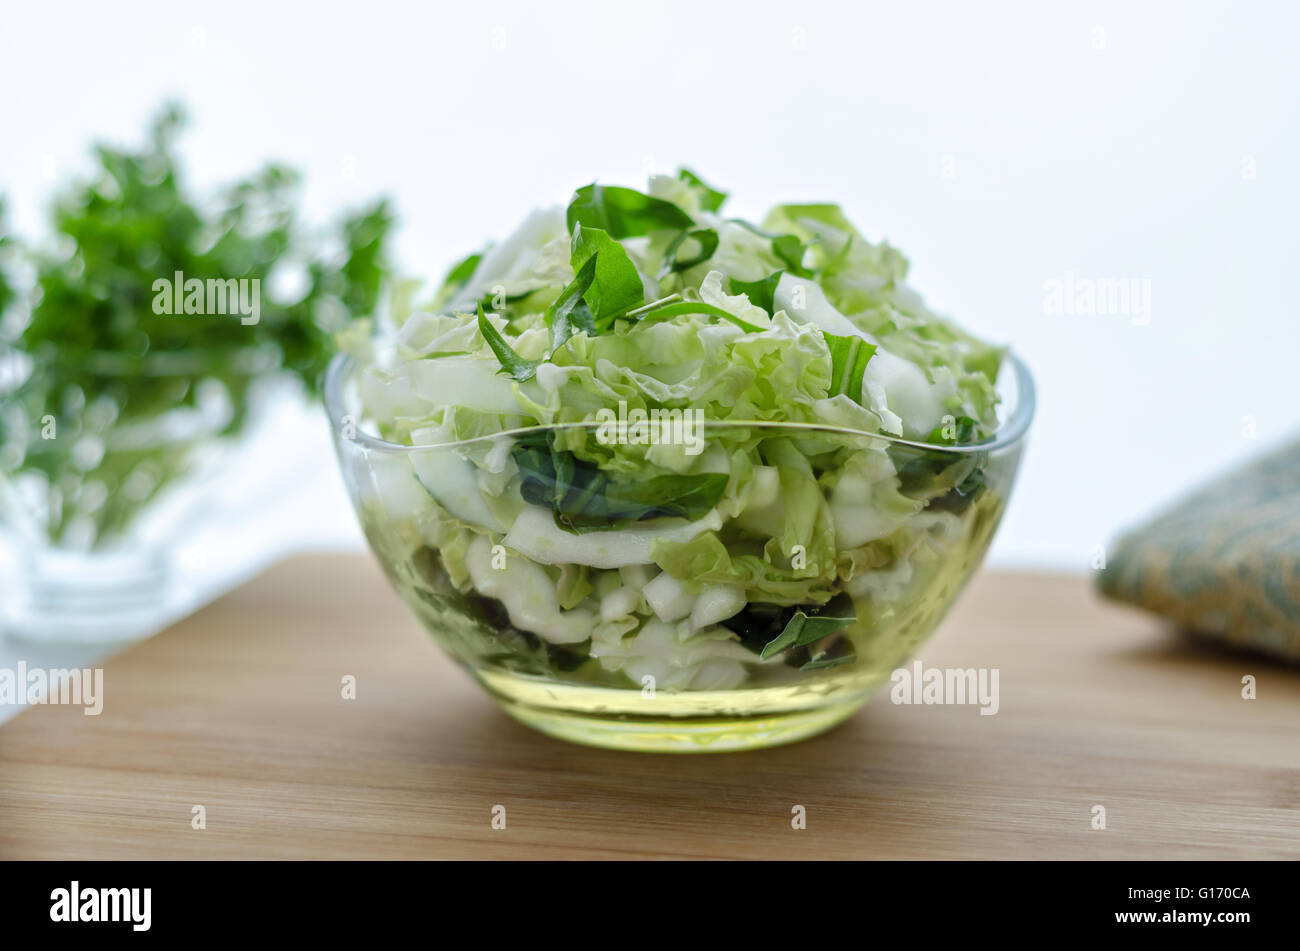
657, 694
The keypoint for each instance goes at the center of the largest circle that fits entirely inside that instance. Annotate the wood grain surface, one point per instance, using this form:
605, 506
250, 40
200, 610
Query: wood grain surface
239, 709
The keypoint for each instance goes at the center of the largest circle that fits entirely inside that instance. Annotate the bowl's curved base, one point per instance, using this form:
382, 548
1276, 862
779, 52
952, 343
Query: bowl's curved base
669, 734
684, 735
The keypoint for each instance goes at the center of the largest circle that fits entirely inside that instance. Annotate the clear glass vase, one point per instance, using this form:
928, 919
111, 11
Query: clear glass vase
94, 506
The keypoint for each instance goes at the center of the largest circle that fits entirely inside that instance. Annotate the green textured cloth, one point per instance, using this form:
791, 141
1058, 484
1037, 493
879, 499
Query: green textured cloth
1225, 561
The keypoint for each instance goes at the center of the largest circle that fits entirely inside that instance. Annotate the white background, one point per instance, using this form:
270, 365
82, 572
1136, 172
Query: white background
999, 145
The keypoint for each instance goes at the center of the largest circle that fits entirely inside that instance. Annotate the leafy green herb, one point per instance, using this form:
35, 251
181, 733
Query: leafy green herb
570, 312
506, 304
791, 251
670, 311
7, 292
489, 636
849, 358
462, 271
94, 339
605, 285
841, 653
947, 481
616, 284
760, 293
585, 499
710, 198
457, 278
623, 212
959, 497
803, 630
960, 431
787, 248
706, 238
512, 364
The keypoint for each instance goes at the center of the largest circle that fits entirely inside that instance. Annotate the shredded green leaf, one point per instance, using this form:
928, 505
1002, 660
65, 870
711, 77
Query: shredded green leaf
585, 499
623, 212
849, 358
710, 198
760, 293
512, 364
705, 238
616, 284
803, 630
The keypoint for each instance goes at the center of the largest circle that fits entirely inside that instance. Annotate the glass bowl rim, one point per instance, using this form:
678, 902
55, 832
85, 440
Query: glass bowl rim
1010, 433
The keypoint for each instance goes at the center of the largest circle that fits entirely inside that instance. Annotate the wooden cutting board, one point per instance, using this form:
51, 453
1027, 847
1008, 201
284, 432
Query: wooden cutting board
239, 709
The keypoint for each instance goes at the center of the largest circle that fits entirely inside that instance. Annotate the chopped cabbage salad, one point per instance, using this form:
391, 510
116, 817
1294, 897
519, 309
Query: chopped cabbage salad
697, 488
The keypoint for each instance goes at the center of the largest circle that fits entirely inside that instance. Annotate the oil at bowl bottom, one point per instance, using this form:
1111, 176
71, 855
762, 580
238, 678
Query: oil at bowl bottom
694, 722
